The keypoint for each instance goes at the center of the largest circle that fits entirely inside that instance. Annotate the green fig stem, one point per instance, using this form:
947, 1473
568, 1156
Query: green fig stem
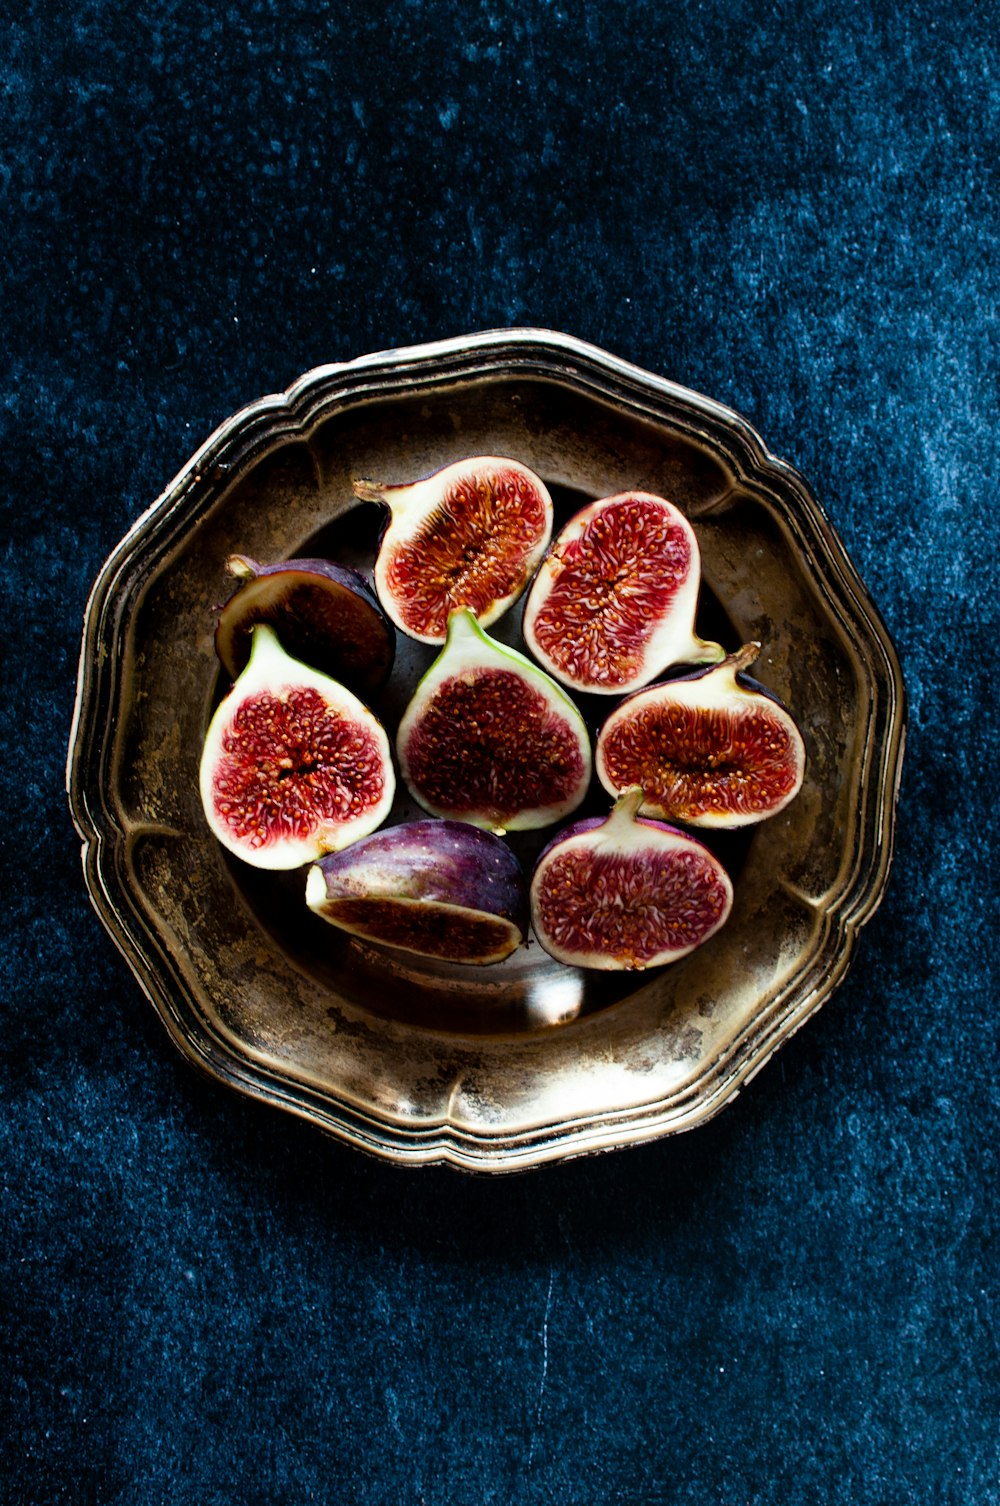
463, 623
712, 653
743, 657
242, 567
370, 491
263, 641
626, 807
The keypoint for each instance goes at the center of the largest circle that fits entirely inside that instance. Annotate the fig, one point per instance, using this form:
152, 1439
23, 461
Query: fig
490, 739
469, 535
618, 892
438, 888
294, 765
713, 749
325, 614
614, 602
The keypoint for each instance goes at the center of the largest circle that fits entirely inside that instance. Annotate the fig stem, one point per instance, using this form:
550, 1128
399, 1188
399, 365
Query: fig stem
242, 567
369, 491
626, 807
743, 657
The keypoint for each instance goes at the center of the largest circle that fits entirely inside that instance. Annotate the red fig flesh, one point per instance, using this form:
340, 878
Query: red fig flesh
623, 893
436, 888
712, 750
325, 614
489, 739
614, 601
293, 764
469, 535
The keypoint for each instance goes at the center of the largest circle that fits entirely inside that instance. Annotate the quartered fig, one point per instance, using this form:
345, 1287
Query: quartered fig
293, 765
713, 749
325, 614
490, 739
437, 888
614, 602
469, 535
622, 892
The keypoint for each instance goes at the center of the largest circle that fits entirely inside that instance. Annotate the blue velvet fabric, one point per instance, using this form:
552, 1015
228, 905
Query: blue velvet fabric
791, 206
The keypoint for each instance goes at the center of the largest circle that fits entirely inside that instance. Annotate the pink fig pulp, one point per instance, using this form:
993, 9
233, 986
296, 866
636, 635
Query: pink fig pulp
624, 893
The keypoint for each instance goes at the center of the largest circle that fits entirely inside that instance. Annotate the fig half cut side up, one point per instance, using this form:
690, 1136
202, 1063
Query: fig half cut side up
325, 614
613, 604
621, 893
490, 739
712, 750
439, 889
293, 765
470, 535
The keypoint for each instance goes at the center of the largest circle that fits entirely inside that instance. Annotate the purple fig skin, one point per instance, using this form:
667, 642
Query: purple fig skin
449, 890
364, 669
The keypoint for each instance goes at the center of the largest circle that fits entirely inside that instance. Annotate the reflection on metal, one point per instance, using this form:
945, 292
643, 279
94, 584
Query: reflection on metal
511, 1066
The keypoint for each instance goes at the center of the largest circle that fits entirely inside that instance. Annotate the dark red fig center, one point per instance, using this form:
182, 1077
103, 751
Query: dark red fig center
290, 764
616, 581
435, 931
629, 905
694, 760
488, 741
468, 552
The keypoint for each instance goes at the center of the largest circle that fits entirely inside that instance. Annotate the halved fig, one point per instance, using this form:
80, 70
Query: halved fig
614, 602
293, 764
713, 749
490, 739
325, 614
437, 888
469, 535
619, 893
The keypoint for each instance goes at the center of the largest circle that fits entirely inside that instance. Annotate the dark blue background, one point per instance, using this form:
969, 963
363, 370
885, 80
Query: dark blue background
792, 207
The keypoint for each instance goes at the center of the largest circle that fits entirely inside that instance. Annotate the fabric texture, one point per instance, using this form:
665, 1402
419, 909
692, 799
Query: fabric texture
791, 207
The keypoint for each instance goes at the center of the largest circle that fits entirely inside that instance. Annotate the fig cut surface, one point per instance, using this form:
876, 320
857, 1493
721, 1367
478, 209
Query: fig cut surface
293, 764
613, 604
621, 893
490, 739
467, 536
712, 750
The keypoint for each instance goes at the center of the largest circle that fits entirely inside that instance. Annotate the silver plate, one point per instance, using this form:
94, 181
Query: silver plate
511, 1066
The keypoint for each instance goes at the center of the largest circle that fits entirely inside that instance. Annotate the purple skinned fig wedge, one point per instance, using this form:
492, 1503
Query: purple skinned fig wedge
436, 888
325, 614
712, 750
613, 604
294, 765
490, 739
626, 893
469, 535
